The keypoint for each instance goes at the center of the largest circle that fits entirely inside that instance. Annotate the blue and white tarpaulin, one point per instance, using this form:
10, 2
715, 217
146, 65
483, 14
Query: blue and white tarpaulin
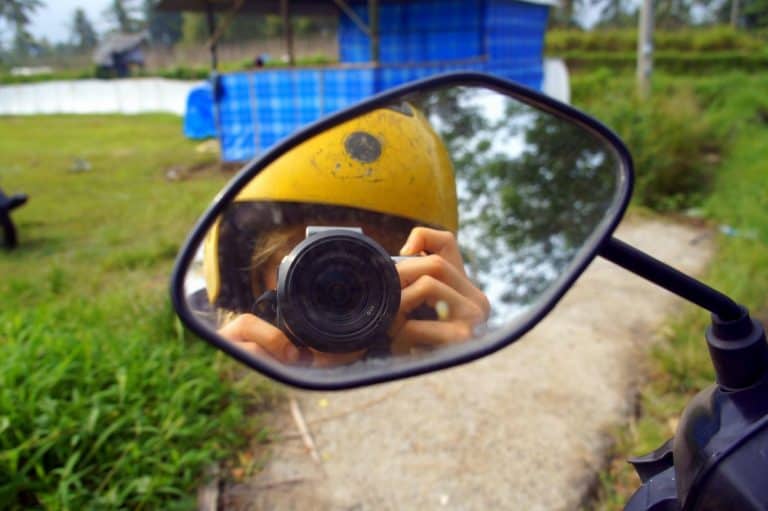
419, 38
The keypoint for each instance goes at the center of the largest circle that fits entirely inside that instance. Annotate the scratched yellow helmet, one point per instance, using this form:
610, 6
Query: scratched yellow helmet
387, 162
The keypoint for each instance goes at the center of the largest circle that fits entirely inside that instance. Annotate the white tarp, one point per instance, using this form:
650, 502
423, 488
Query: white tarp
137, 95
128, 96
556, 81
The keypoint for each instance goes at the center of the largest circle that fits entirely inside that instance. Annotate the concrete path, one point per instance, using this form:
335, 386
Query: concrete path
523, 429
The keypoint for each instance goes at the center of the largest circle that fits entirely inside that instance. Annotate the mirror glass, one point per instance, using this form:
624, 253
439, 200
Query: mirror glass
428, 228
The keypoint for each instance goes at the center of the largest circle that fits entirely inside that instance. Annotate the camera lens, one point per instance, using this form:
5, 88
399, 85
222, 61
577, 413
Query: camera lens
338, 292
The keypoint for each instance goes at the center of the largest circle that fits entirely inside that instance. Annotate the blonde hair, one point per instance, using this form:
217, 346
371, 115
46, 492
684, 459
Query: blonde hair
275, 243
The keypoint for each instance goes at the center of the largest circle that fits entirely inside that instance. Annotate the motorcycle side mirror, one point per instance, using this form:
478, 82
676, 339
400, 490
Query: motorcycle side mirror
423, 228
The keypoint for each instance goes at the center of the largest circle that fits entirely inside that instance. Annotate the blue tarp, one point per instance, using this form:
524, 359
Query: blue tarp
198, 119
420, 38
256, 109
416, 31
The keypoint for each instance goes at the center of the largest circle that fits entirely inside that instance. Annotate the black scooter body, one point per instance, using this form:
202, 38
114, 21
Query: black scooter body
721, 450
718, 460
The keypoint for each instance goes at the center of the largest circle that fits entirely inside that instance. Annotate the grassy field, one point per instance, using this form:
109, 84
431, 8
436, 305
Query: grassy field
104, 402
736, 201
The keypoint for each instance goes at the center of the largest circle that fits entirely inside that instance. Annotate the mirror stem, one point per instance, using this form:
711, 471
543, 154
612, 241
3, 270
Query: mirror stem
736, 342
661, 274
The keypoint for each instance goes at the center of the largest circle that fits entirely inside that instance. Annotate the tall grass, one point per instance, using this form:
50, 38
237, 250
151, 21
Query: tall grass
104, 402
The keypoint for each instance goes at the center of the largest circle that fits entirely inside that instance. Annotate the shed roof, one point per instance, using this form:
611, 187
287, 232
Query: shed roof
118, 43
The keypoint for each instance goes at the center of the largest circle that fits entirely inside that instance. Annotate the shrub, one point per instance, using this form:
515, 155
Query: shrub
560, 41
674, 147
182, 73
79, 74
721, 38
669, 61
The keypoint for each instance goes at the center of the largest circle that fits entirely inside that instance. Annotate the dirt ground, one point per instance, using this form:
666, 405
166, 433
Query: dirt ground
525, 428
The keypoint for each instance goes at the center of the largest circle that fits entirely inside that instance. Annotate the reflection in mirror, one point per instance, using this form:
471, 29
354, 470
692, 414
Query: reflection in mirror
409, 231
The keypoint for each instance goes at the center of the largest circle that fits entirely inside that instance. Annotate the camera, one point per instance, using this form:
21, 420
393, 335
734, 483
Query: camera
338, 291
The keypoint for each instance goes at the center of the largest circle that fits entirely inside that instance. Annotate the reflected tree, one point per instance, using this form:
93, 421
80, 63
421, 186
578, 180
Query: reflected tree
532, 187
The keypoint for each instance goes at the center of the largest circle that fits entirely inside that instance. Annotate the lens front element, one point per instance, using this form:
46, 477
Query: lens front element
339, 292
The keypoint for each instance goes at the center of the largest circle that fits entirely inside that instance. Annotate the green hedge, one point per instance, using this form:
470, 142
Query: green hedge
81, 74
717, 39
670, 62
175, 72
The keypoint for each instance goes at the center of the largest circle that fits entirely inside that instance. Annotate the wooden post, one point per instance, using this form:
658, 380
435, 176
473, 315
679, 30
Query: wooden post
287, 30
735, 8
373, 24
645, 49
342, 4
211, 32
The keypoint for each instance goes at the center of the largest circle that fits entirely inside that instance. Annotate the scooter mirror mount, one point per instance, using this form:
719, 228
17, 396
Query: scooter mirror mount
710, 462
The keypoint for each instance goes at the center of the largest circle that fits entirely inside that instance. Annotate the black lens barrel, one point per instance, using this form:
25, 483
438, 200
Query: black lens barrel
338, 291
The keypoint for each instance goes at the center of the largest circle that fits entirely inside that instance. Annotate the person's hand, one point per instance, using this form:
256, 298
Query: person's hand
438, 280
258, 337
254, 335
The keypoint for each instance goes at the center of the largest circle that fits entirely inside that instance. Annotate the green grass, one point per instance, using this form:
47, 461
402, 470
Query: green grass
679, 366
104, 402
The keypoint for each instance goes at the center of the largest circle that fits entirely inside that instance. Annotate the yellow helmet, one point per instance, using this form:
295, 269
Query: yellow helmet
389, 161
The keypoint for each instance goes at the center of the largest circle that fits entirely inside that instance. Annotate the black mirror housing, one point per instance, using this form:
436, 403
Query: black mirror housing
541, 141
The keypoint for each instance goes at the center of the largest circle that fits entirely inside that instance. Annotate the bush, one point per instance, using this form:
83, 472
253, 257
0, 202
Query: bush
673, 146
720, 39
175, 73
559, 41
714, 39
668, 61
182, 73
80, 74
